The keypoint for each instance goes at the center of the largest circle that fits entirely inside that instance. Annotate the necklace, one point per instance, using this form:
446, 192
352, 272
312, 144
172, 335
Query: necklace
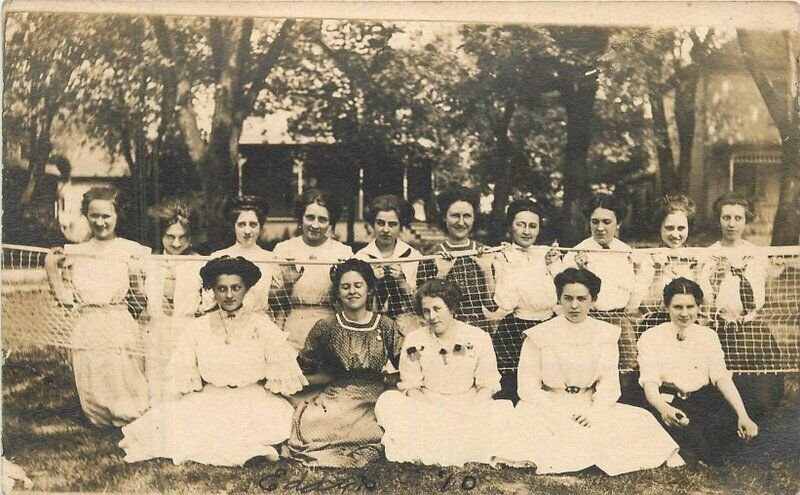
228, 330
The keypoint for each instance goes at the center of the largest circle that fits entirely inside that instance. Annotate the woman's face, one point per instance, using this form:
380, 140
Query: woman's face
436, 314
732, 221
316, 221
525, 228
176, 239
683, 310
604, 226
459, 218
353, 291
387, 228
229, 292
247, 228
102, 216
576, 300
675, 230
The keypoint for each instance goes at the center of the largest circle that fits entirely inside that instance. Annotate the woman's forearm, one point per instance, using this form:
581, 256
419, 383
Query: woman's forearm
732, 397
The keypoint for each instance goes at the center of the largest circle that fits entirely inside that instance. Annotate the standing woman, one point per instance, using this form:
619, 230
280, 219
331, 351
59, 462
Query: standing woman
683, 362
622, 289
525, 292
172, 294
443, 412
737, 275
674, 217
109, 378
307, 288
230, 365
387, 215
247, 215
568, 418
346, 354
472, 275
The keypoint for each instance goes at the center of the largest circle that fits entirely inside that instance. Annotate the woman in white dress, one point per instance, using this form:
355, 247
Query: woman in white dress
736, 274
229, 365
387, 215
568, 418
443, 412
96, 276
524, 291
686, 382
307, 288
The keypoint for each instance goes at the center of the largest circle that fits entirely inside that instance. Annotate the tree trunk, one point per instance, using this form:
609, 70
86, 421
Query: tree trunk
666, 163
503, 179
685, 92
578, 98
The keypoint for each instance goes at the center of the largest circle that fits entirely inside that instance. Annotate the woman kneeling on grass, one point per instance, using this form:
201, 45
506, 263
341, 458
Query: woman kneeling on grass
568, 418
444, 413
224, 416
678, 361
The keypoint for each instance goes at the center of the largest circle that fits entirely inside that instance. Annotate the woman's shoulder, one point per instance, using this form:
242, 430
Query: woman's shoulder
338, 248
654, 332
606, 332
132, 247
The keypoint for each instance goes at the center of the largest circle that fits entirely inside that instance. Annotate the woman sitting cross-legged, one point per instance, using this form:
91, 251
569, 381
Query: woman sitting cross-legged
568, 418
443, 412
225, 415
686, 382
346, 354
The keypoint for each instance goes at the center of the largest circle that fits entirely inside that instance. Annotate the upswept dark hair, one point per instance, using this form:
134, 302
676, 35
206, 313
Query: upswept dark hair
320, 197
353, 265
172, 211
239, 204
670, 204
390, 202
446, 198
520, 205
104, 193
225, 265
607, 202
446, 290
733, 198
682, 285
578, 276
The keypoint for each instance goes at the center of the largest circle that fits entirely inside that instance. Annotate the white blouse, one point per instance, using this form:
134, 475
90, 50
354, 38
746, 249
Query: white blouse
467, 363
687, 365
243, 350
558, 354
524, 282
725, 296
370, 252
257, 297
314, 285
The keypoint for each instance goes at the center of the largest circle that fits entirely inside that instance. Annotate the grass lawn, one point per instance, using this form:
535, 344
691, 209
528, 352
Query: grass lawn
44, 431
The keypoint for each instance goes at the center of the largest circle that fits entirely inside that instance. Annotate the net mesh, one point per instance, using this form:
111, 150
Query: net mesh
752, 298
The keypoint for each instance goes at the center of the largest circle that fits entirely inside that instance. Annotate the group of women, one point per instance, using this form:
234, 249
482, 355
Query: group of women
472, 355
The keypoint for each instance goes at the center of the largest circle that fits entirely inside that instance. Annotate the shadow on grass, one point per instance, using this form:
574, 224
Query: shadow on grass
46, 433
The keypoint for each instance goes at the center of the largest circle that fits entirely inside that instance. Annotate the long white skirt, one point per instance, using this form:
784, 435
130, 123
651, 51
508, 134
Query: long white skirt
300, 321
160, 338
446, 430
620, 439
218, 425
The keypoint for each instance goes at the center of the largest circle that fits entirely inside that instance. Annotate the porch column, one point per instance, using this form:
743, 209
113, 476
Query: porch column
360, 211
298, 171
405, 181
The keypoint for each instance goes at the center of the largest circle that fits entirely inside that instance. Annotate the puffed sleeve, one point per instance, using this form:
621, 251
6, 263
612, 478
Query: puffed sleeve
411, 375
717, 370
486, 374
607, 389
183, 364
529, 373
648, 359
188, 287
313, 357
505, 292
282, 372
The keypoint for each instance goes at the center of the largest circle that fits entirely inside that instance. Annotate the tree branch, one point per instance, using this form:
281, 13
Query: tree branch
775, 101
268, 62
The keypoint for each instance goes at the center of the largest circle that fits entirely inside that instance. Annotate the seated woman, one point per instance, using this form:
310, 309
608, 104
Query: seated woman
386, 216
346, 354
443, 412
568, 418
525, 292
225, 414
472, 275
306, 289
736, 275
678, 361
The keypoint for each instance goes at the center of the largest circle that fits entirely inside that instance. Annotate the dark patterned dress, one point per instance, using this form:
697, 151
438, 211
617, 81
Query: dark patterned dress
338, 428
469, 277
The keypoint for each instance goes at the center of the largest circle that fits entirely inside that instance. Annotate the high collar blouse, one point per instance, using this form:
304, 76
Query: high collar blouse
313, 286
524, 282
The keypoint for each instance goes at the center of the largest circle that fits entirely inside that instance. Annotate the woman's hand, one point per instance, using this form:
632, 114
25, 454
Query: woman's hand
553, 254
747, 428
582, 260
672, 416
291, 274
